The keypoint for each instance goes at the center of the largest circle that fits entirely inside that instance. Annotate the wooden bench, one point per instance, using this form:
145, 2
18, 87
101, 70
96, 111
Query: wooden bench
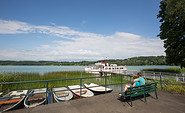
140, 90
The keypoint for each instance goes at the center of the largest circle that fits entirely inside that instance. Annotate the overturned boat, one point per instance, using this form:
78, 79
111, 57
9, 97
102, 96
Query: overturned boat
35, 97
96, 89
80, 93
62, 94
12, 100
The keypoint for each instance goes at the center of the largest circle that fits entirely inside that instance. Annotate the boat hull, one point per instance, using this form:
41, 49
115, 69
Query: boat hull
14, 102
62, 94
96, 89
35, 97
80, 93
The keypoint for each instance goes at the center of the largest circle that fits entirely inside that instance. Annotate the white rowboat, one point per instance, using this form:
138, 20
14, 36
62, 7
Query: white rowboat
35, 97
96, 89
83, 92
62, 94
12, 100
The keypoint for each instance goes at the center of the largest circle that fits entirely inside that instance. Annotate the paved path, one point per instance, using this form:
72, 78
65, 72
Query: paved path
111, 103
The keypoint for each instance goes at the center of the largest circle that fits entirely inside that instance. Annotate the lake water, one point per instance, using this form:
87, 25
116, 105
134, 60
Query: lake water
45, 69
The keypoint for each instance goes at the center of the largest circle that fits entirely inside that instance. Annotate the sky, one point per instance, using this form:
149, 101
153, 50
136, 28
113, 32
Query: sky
77, 30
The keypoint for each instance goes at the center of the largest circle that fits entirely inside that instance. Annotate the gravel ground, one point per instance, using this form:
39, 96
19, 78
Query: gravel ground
112, 103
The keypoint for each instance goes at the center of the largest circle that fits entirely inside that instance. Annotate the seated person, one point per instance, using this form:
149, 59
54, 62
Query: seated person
136, 83
140, 79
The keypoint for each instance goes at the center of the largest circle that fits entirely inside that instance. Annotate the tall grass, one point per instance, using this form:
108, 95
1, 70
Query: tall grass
169, 69
170, 85
18, 77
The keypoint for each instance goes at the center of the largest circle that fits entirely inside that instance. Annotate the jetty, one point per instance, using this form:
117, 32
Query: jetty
112, 103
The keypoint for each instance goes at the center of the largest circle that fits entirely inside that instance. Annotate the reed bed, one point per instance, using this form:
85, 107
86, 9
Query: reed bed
18, 77
169, 70
170, 85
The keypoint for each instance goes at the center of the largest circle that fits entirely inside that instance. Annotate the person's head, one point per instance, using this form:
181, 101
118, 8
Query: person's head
139, 74
134, 76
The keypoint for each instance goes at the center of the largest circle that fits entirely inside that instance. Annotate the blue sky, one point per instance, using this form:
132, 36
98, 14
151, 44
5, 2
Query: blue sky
73, 30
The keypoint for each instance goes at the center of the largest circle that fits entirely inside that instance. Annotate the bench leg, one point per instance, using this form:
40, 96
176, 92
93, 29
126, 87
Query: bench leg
131, 101
156, 94
145, 97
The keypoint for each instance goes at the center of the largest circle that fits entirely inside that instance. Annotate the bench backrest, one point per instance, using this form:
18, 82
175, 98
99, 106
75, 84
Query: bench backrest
137, 90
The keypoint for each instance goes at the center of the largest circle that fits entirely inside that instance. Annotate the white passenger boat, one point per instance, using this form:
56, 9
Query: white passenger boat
96, 89
83, 92
62, 94
102, 67
35, 97
12, 100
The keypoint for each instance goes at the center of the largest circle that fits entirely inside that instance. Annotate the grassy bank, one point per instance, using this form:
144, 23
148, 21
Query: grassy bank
168, 70
18, 77
170, 85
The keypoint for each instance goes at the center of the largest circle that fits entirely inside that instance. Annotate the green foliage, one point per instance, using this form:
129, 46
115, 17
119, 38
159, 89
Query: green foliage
169, 69
172, 30
149, 60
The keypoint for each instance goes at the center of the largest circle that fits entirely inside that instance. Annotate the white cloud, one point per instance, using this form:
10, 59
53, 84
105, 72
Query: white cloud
83, 45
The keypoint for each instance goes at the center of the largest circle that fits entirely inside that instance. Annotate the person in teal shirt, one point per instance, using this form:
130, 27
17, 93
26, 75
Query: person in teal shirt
136, 83
141, 80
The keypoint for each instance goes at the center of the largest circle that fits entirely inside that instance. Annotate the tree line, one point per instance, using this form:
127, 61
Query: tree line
134, 61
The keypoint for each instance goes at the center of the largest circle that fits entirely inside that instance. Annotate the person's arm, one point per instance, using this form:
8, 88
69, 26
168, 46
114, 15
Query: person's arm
136, 80
133, 84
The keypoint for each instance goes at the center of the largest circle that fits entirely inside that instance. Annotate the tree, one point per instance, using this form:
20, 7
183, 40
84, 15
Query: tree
172, 30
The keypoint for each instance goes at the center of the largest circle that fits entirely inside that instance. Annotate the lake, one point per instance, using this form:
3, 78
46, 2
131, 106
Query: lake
45, 69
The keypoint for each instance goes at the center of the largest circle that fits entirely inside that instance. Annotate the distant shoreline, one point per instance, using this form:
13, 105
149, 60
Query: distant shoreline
134, 61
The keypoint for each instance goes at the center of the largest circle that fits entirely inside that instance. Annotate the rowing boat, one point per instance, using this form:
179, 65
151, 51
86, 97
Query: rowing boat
80, 93
12, 100
96, 89
62, 94
35, 97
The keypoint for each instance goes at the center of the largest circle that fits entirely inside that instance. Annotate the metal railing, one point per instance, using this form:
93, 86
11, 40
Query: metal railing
164, 79
105, 81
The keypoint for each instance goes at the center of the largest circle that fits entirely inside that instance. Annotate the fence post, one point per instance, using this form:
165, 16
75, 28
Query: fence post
121, 83
46, 92
66, 79
105, 83
161, 81
80, 87
176, 77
